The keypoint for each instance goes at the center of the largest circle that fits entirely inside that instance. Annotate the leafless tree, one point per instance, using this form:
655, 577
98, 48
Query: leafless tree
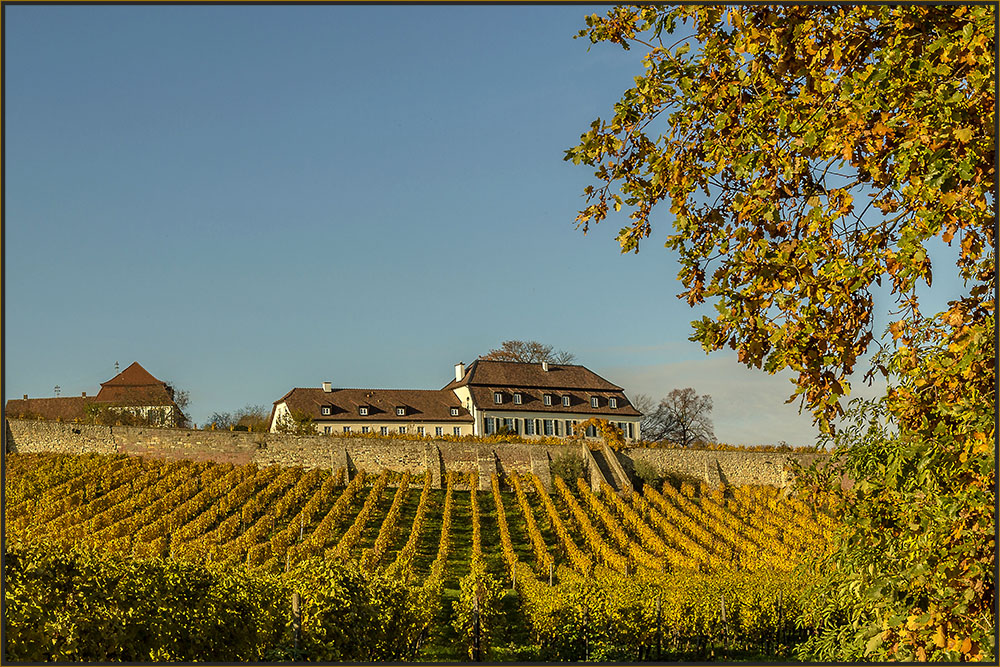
528, 351
683, 417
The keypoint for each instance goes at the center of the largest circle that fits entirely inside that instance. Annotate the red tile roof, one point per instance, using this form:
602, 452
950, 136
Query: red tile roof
532, 401
518, 374
66, 408
420, 404
134, 386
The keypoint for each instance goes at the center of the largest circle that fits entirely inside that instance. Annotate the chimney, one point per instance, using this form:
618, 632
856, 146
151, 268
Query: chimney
84, 394
25, 397
459, 371
545, 366
327, 387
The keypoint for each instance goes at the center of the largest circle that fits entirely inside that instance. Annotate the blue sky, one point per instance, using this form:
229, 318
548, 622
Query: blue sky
252, 198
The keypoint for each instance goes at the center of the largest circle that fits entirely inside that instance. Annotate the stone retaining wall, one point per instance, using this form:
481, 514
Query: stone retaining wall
362, 453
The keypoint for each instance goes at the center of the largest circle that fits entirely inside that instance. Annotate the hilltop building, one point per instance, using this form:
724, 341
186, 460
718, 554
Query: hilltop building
133, 394
528, 399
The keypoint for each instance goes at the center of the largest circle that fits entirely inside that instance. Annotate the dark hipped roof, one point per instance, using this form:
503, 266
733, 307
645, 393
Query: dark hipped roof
420, 404
518, 374
66, 408
532, 401
134, 386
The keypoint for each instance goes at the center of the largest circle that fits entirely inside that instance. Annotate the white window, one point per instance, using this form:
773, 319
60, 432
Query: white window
566, 401
402, 429
456, 430
593, 401
517, 398
327, 429
363, 411
454, 412
347, 429
547, 399
490, 425
420, 430
510, 425
438, 430
384, 430
529, 427
325, 410
612, 402
558, 429
548, 427
591, 432
401, 412
497, 397
365, 429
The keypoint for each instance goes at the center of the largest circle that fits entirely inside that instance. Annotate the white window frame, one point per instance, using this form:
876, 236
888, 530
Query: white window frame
547, 399
363, 410
400, 412
384, 430
613, 403
565, 401
365, 429
328, 430
325, 410
456, 430
594, 402
454, 412
402, 429
517, 398
439, 430
347, 429
548, 426
420, 430
497, 398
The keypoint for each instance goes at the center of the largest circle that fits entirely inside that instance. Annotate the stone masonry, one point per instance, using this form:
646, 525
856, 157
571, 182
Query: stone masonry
417, 456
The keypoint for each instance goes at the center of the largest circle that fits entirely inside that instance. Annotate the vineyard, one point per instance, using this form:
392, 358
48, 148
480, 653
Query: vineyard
514, 573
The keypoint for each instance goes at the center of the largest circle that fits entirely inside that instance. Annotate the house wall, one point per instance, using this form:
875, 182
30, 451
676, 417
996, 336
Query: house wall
411, 427
561, 417
363, 453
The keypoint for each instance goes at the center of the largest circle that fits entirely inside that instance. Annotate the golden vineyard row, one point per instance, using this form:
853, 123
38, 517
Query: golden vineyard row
271, 518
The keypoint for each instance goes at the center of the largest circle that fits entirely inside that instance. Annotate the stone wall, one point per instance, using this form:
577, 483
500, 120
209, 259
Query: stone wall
373, 454
728, 467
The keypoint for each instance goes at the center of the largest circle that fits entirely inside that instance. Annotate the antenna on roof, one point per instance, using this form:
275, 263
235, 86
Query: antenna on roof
116, 367
58, 389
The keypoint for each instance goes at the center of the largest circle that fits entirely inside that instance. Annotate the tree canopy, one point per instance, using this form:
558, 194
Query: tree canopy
683, 417
807, 155
528, 351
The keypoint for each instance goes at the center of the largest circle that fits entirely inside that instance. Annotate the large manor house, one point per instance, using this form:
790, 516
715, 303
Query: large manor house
485, 398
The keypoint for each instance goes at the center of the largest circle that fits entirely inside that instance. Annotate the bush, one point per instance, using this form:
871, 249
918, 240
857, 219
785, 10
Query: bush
569, 466
647, 473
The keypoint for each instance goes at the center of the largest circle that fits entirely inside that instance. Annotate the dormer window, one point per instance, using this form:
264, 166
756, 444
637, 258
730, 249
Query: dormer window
325, 409
363, 410
566, 401
613, 403
593, 402
454, 412
547, 399
497, 397
400, 411
517, 398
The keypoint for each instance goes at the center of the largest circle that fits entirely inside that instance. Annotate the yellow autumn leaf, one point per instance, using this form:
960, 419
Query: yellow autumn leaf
964, 135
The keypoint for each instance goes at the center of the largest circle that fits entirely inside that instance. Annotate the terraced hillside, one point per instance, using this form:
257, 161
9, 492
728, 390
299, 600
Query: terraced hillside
683, 559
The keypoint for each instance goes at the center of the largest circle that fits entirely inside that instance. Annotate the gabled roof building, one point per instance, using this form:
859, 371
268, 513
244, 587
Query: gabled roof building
134, 391
527, 399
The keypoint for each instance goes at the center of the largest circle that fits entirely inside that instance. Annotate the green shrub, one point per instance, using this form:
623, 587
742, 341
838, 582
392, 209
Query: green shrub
569, 466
